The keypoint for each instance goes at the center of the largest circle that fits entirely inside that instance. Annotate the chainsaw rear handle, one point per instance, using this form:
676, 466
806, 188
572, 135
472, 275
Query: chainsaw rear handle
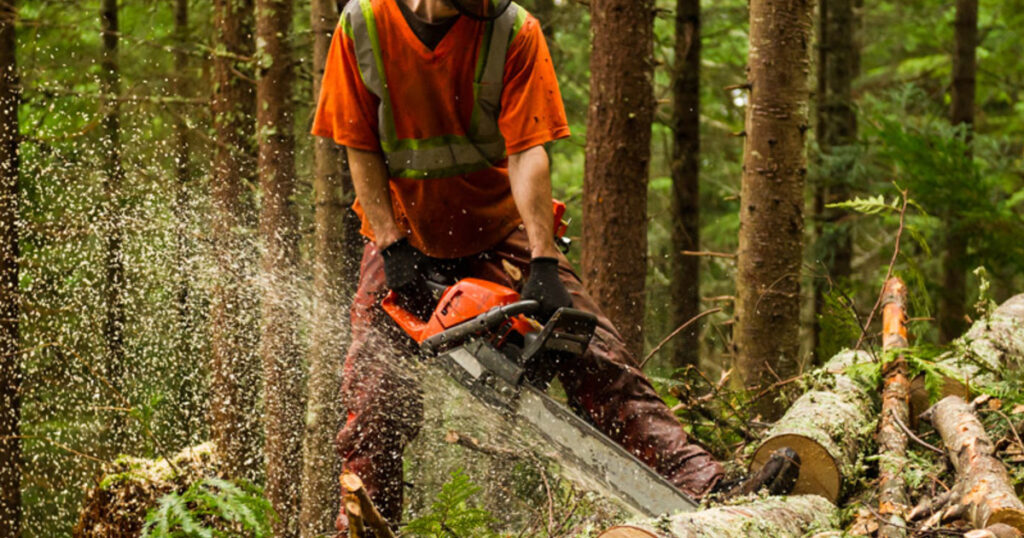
484, 322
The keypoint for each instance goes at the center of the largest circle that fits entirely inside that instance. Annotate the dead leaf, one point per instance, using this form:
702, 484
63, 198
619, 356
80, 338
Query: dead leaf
1017, 410
995, 404
865, 523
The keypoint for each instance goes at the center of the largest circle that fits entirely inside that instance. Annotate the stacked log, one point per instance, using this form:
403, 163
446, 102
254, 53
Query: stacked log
828, 427
994, 343
892, 441
779, 517
982, 492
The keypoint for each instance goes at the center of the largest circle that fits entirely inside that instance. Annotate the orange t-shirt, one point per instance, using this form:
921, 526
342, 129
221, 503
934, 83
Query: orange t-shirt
432, 95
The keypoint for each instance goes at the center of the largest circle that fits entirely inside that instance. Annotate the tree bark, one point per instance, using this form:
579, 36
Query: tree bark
335, 270
283, 395
113, 180
182, 156
983, 485
779, 517
954, 289
618, 153
10, 352
686, 183
771, 207
836, 127
892, 441
234, 368
828, 427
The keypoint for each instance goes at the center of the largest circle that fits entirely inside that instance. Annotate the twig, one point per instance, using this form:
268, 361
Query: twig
455, 438
145, 427
1009, 423
675, 332
917, 439
709, 254
888, 273
56, 444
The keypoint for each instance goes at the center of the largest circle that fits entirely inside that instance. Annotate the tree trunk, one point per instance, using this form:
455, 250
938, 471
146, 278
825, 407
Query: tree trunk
283, 395
954, 289
335, 269
828, 427
685, 182
994, 343
983, 486
618, 154
836, 127
892, 441
10, 352
234, 373
113, 180
771, 208
182, 155
778, 517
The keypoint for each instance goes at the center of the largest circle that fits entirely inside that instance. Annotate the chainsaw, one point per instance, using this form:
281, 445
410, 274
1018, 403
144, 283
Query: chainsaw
482, 335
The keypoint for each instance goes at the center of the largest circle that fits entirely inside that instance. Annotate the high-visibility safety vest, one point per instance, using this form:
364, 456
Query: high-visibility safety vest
441, 156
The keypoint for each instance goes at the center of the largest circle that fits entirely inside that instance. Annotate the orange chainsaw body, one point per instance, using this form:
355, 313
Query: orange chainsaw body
460, 302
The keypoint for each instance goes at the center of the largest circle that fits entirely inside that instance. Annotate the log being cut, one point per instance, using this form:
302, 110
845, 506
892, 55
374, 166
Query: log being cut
828, 427
778, 517
982, 487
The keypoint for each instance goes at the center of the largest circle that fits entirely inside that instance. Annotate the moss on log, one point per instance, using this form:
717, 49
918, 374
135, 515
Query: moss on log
829, 427
117, 507
779, 517
992, 344
983, 485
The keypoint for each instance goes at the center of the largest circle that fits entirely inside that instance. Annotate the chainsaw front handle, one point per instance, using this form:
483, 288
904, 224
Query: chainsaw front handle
484, 322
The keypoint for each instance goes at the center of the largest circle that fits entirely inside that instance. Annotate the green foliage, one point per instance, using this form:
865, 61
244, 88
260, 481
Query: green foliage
452, 515
211, 508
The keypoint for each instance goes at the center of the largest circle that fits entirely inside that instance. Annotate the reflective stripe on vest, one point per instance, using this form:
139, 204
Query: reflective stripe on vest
441, 156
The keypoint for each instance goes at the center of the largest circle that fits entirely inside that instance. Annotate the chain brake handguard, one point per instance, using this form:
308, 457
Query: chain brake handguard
564, 338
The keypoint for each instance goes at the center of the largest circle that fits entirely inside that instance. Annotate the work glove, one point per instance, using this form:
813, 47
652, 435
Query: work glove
405, 272
544, 286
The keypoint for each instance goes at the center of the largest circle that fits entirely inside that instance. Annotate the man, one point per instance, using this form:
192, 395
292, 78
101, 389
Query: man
444, 117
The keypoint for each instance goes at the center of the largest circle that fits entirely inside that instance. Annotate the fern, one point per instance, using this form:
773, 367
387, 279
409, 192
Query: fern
211, 508
452, 515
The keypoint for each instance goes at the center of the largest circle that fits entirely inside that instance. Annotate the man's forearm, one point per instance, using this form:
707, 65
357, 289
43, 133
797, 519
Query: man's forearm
530, 177
370, 179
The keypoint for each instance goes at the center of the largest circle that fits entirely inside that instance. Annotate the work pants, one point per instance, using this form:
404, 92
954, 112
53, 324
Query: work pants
385, 408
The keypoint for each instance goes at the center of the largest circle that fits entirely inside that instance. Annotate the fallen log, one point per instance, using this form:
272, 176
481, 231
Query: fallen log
999, 530
778, 517
982, 489
828, 427
994, 343
892, 441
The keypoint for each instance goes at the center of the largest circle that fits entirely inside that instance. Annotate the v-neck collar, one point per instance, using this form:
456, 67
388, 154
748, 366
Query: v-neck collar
442, 46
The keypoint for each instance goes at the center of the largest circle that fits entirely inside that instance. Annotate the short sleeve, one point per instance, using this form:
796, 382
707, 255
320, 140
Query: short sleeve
532, 112
346, 110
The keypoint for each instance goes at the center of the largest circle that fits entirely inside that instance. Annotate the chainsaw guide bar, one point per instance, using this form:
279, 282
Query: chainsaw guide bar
598, 461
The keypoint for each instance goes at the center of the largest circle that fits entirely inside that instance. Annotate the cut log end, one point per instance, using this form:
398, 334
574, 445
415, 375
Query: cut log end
819, 473
1011, 517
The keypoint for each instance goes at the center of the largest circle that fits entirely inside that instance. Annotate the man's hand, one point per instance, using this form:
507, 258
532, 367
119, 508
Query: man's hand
544, 286
405, 272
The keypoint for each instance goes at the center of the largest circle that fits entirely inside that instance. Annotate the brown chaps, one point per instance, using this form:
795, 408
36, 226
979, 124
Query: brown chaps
385, 409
